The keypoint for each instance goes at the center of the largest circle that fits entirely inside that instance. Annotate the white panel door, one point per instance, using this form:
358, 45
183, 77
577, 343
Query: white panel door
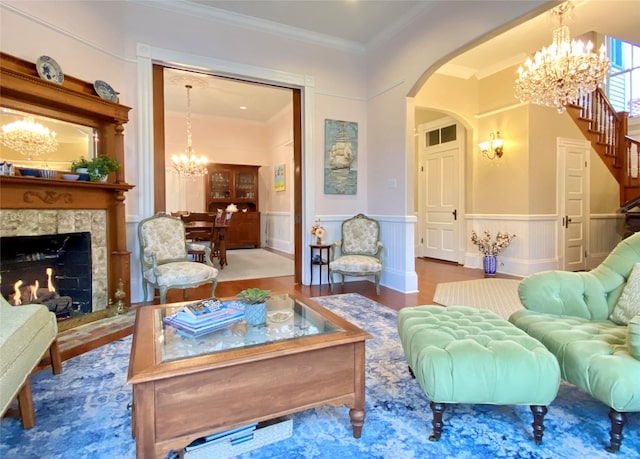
439, 170
574, 207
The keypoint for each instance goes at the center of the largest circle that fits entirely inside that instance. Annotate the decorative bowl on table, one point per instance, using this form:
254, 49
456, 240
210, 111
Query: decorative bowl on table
47, 173
70, 176
26, 172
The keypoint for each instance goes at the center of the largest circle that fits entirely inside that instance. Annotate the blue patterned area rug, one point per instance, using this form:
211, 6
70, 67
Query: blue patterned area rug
83, 413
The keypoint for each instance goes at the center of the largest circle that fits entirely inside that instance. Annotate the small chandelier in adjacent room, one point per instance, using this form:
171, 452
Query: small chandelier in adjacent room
188, 164
558, 75
28, 138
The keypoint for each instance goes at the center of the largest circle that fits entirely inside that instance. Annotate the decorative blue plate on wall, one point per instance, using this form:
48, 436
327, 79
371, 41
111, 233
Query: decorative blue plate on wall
105, 91
49, 70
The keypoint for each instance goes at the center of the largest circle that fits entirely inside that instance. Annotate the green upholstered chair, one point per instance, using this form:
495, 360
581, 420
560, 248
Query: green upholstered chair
358, 252
164, 257
569, 312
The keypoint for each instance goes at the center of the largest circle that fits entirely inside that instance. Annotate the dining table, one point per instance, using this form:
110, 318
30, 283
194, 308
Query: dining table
215, 232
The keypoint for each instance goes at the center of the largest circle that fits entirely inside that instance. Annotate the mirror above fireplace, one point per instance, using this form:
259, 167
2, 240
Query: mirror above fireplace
72, 141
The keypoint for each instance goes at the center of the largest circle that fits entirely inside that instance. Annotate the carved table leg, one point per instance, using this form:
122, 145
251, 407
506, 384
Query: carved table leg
438, 409
538, 422
357, 421
617, 422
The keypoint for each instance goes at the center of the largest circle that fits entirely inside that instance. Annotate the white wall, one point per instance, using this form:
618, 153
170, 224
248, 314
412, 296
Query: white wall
221, 140
99, 40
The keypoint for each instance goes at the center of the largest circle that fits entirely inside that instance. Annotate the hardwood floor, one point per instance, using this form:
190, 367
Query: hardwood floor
430, 272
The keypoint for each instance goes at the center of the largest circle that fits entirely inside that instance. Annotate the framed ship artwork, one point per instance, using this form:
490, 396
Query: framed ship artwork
340, 157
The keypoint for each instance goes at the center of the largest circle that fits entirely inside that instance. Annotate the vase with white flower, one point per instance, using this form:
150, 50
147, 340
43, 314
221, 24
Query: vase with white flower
318, 231
490, 248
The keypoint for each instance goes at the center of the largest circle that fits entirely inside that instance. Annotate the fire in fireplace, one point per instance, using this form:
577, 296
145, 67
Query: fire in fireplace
54, 270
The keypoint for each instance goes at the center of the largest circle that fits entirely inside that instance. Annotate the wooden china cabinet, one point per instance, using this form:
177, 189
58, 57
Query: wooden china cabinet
236, 184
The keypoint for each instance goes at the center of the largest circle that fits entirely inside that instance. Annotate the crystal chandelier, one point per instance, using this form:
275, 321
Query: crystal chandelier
28, 138
560, 73
188, 164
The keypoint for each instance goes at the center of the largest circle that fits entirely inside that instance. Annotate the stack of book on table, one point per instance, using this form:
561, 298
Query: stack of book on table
204, 317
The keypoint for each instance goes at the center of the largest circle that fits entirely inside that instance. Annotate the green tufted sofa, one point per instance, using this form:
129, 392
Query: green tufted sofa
569, 313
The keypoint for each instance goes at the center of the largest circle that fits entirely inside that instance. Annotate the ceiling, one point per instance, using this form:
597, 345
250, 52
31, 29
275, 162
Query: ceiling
350, 20
223, 97
615, 18
362, 23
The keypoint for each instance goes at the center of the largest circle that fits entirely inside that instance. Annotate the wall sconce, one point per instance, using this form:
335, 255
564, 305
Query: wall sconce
493, 147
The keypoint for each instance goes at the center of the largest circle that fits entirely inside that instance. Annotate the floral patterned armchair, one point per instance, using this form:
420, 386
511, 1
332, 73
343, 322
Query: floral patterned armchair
164, 257
359, 252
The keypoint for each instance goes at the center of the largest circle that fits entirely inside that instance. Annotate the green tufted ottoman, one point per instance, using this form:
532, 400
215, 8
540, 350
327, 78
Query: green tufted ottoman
460, 354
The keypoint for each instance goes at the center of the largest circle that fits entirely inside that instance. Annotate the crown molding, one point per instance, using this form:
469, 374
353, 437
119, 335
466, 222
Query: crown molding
248, 22
456, 70
65, 32
512, 61
399, 25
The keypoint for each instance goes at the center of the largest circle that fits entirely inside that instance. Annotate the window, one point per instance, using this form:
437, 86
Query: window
442, 135
623, 85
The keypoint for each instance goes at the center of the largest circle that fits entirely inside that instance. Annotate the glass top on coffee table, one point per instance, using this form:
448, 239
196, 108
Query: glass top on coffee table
288, 318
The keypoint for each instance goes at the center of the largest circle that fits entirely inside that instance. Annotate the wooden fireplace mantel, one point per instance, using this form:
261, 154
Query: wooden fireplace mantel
73, 101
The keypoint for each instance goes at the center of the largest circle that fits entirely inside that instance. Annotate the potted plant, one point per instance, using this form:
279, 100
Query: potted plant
101, 166
80, 165
255, 310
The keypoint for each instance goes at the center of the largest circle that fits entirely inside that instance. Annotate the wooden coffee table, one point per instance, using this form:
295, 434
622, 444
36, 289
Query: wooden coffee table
185, 388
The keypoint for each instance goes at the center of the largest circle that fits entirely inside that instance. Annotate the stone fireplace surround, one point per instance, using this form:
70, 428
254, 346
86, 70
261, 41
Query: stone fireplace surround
31, 222
37, 206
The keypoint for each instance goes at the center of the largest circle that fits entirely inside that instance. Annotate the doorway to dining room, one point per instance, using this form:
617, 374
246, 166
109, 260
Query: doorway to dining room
232, 122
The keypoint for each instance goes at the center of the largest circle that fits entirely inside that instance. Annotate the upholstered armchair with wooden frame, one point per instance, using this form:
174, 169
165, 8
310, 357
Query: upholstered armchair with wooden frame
359, 252
164, 257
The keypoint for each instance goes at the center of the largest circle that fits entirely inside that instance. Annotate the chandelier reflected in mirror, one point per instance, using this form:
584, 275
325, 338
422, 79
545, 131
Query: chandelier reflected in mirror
28, 138
557, 75
189, 164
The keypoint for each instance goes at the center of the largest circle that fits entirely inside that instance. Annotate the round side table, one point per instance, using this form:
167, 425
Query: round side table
321, 253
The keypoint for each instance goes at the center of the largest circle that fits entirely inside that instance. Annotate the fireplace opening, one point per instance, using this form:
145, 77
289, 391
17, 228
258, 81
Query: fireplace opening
54, 270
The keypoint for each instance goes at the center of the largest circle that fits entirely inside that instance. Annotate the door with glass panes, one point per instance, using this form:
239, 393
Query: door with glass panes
440, 179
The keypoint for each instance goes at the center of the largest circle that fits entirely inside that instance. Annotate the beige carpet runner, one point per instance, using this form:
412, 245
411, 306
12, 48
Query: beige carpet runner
254, 264
497, 295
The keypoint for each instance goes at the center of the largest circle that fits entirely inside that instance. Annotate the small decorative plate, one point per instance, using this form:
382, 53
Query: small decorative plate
280, 316
105, 91
49, 70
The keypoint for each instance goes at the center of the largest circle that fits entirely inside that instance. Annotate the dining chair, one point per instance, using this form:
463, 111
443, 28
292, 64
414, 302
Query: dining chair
199, 229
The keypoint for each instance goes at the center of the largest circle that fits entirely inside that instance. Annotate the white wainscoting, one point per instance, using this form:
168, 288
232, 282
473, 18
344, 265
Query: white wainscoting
276, 229
605, 232
535, 247
133, 245
398, 253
